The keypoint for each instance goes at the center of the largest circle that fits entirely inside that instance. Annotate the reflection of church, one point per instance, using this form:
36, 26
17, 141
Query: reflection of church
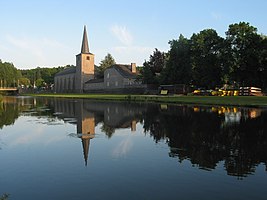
89, 114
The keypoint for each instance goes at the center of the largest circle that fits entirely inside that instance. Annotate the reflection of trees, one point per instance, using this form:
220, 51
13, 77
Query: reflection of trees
4, 197
201, 138
108, 130
204, 137
12, 107
8, 114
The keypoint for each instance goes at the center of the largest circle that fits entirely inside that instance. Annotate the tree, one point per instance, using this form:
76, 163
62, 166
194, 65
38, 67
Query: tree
178, 65
104, 64
157, 61
47, 74
205, 57
39, 82
153, 67
245, 45
148, 76
24, 81
9, 74
263, 63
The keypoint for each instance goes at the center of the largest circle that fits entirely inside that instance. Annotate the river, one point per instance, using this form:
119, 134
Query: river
53, 148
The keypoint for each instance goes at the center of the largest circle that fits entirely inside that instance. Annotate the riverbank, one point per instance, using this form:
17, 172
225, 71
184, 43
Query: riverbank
251, 101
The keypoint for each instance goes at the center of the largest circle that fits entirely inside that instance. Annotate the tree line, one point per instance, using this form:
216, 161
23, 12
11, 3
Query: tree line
39, 77
207, 60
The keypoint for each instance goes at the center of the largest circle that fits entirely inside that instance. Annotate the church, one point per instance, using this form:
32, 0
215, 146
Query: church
73, 79
81, 78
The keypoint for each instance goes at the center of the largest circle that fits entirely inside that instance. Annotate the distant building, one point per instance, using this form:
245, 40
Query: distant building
117, 78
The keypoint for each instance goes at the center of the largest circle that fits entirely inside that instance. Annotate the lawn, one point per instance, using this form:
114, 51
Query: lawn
203, 100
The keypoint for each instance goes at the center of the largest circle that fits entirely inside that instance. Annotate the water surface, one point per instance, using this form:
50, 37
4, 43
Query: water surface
81, 149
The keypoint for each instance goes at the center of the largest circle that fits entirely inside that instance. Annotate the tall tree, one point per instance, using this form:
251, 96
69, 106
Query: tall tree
104, 64
245, 46
263, 63
9, 74
178, 65
153, 67
206, 63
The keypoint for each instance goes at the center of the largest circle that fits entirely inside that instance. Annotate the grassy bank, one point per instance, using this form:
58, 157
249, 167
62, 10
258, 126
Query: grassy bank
203, 100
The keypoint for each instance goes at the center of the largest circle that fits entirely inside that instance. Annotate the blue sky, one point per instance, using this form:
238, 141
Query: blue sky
48, 33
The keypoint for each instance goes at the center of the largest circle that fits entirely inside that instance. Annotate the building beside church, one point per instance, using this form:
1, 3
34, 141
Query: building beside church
81, 78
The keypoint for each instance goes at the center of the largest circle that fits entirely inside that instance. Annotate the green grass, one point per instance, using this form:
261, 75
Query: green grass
203, 100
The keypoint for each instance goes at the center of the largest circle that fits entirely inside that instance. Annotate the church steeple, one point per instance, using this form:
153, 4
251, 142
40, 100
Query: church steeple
85, 46
85, 65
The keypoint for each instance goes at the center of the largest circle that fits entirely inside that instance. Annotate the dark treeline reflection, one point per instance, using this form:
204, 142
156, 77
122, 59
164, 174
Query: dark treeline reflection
204, 135
209, 135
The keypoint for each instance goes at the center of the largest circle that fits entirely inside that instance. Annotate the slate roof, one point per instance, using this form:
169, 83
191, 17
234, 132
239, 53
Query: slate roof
124, 70
100, 80
70, 70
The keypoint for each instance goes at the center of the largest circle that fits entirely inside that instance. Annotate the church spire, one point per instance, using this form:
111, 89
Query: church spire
85, 46
86, 144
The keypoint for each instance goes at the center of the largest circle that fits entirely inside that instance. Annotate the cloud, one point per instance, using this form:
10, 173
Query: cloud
122, 34
34, 47
29, 137
123, 148
40, 51
133, 49
129, 54
216, 16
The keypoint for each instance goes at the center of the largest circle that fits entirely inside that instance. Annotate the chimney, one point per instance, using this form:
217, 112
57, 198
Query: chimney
133, 67
133, 126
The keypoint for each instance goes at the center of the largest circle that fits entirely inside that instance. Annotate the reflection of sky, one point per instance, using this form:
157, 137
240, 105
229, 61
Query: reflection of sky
232, 117
39, 161
123, 147
29, 130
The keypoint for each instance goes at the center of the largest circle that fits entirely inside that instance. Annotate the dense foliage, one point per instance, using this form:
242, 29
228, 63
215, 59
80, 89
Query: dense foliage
8, 74
208, 60
40, 77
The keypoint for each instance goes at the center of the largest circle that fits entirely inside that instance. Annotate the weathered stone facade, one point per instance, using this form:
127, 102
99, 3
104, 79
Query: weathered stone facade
117, 78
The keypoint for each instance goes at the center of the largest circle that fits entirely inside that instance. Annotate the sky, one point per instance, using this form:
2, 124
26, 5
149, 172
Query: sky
48, 33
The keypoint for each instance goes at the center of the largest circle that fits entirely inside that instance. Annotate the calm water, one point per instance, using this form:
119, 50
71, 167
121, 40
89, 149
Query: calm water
79, 149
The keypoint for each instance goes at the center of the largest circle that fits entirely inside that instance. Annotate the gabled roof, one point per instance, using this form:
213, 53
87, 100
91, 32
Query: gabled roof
124, 70
70, 70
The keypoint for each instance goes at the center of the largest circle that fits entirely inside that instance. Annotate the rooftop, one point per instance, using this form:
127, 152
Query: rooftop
69, 70
124, 70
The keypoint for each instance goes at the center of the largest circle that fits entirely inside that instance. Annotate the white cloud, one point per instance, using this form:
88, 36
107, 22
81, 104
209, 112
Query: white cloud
216, 16
123, 148
27, 45
29, 137
122, 34
129, 54
33, 52
133, 49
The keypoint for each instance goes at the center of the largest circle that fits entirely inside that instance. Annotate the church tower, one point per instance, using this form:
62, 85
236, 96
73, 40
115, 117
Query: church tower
85, 65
